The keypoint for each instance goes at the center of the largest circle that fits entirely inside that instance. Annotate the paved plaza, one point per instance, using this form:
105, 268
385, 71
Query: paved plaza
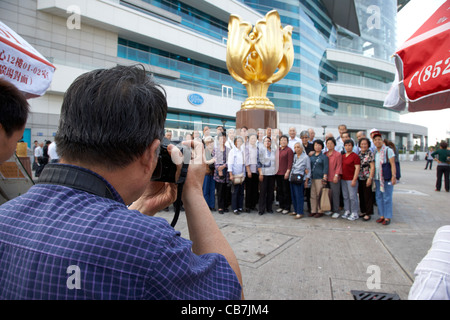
324, 258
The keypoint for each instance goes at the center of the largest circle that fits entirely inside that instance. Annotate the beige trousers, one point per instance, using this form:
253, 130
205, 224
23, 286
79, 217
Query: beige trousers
316, 189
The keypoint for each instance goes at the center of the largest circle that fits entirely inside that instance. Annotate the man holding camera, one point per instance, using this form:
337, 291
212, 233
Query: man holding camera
71, 236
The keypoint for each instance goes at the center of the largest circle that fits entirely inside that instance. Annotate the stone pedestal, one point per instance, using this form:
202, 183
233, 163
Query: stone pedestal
257, 118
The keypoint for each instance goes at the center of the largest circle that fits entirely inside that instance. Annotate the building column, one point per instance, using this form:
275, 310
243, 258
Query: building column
392, 136
410, 141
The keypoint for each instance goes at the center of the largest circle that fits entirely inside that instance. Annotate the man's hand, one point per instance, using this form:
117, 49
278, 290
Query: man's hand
159, 195
196, 170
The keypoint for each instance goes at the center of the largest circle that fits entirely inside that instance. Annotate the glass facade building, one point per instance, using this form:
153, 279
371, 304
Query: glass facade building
338, 75
304, 90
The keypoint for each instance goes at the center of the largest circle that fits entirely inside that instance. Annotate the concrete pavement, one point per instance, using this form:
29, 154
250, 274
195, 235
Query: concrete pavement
324, 258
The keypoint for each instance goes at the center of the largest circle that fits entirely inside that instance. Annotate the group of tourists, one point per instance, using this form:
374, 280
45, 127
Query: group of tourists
250, 170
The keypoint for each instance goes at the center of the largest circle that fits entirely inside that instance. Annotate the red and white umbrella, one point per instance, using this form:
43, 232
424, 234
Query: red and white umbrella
423, 66
22, 65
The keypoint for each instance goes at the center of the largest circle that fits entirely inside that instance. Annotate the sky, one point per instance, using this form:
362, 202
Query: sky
409, 19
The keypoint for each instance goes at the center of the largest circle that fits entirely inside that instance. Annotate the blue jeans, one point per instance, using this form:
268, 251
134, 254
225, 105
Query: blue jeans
209, 191
384, 199
297, 197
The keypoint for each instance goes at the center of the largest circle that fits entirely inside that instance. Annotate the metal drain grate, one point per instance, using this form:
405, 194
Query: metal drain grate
367, 295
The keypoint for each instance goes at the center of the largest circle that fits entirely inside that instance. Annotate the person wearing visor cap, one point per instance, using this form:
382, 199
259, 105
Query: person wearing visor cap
384, 189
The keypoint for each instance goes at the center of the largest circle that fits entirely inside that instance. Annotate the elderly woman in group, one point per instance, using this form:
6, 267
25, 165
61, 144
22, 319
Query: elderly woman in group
308, 148
267, 169
285, 158
252, 178
209, 184
236, 169
351, 165
334, 174
298, 178
365, 179
384, 188
319, 177
221, 176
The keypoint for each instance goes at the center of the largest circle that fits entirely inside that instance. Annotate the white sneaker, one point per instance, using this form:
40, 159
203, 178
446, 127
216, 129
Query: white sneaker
345, 215
353, 217
335, 215
328, 213
279, 210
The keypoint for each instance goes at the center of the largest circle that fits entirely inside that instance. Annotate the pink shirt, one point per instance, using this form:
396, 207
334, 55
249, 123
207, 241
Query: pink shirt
334, 164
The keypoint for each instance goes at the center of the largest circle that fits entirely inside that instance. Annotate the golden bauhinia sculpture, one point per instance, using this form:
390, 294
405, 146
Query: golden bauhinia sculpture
255, 53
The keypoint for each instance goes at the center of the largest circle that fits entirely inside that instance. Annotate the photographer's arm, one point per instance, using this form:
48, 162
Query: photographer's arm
204, 233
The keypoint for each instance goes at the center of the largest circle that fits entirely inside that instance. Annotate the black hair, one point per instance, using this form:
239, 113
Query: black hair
332, 140
14, 108
349, 141
111, 116
364, 139
285, 137
318, 141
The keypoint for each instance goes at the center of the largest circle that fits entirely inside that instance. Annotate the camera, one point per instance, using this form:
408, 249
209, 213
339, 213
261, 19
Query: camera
166, 170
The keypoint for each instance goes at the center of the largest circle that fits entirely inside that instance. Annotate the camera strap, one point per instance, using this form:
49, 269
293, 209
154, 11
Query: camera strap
180, 183
80, 179
76, 178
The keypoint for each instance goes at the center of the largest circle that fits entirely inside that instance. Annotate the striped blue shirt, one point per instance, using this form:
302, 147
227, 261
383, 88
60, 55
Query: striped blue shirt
62, 243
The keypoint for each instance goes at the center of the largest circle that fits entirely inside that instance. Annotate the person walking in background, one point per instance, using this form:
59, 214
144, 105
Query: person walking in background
384, 189
443, 167
429, 159
319, 177
285, 158
221, 177
236, 169
365, 179
334, 175
251, 179
53, 153
301, 166
209, 184
351, 165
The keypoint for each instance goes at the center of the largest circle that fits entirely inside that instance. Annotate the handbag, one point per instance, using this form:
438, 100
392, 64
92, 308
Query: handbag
325, 203
238, 178
297, 178
210, 169
386, 169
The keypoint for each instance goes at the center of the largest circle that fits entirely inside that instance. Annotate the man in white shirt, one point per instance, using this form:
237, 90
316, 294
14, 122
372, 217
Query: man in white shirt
432, 276
312, 135
38, 152
267, 168
231, 133
293, 139
339, 141
54, 158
